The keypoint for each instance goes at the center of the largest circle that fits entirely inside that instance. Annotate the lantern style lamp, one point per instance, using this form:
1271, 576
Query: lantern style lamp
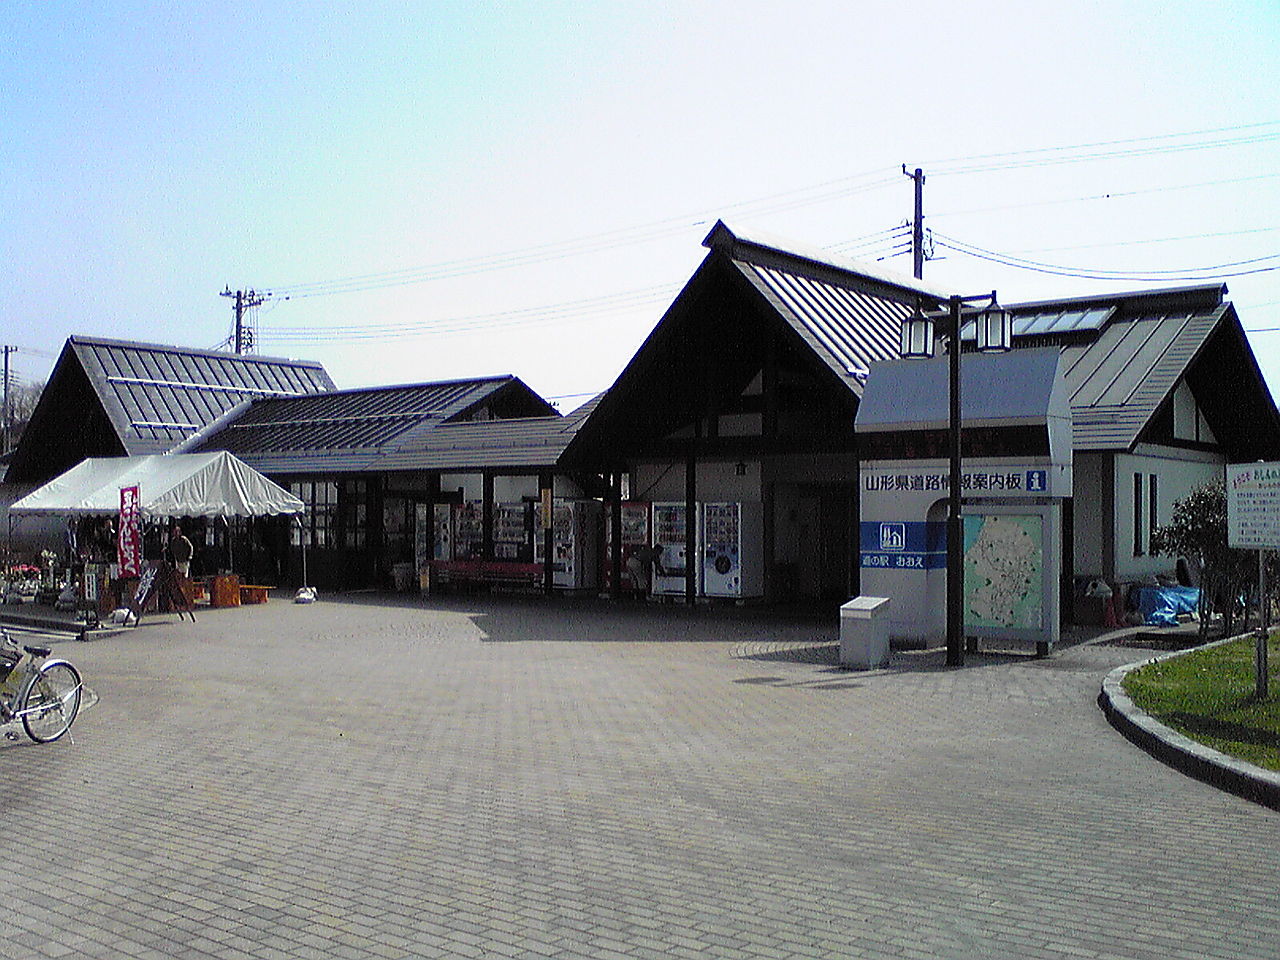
917, 335
994, 328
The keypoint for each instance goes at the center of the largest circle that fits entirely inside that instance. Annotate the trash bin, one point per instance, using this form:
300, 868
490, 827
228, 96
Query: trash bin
864, 633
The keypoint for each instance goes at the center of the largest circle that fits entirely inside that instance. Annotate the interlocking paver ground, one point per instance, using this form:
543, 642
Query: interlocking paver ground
496, 777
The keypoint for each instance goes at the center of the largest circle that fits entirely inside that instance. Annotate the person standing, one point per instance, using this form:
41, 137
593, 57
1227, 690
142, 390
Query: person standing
180, 550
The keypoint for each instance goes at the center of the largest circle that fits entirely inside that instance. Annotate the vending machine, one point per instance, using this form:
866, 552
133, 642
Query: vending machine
513, 532
732, 550
575, 543
635, 543
468, 530
671, 553
442, 545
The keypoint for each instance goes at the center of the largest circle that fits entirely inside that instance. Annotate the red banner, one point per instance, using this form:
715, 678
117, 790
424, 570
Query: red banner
129, 539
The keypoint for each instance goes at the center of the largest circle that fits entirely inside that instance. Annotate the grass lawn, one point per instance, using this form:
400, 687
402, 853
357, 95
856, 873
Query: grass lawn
1208, 696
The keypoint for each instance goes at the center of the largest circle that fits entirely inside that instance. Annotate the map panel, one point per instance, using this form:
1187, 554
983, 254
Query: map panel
1004, 571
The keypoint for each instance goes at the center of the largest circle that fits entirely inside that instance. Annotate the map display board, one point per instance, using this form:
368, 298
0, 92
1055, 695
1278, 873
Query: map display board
1004, 573
1253, 506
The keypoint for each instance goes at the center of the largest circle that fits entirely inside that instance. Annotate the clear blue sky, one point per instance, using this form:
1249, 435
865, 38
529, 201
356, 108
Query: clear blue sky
501, 174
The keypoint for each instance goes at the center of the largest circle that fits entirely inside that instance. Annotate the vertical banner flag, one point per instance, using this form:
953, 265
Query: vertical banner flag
129, 538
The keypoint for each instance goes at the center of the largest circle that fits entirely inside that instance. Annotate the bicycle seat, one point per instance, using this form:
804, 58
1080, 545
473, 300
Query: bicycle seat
37, 651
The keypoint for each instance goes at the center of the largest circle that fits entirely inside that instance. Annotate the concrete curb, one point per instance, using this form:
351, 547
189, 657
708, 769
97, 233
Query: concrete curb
53, 624
1184, 754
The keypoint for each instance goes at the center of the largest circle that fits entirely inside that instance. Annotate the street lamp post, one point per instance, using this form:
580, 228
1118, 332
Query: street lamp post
993, 333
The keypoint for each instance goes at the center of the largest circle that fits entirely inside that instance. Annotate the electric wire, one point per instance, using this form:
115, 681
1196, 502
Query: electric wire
525, 317
1151, 240
1109, 155
1150, 138
882, 244
1211, 272
775, 203
1114, 195
558, 250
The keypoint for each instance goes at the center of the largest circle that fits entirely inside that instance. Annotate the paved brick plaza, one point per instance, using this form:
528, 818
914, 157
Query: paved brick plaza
514, 778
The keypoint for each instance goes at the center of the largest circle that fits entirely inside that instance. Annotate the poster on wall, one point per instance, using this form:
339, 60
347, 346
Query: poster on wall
1004, 571
129, 538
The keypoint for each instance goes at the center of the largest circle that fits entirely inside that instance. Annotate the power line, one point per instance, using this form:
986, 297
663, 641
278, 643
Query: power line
1109, 143
1115, 154
593, 243
1135, 243
1215, 271
1113, 195
525, 316
761, 206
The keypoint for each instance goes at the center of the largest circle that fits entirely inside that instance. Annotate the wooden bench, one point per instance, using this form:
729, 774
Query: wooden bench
254, 593
487, 572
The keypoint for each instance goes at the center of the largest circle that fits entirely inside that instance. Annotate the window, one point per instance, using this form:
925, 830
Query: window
320, 501
1138, 509
355, 514
301, 535
326, 515
1153, 518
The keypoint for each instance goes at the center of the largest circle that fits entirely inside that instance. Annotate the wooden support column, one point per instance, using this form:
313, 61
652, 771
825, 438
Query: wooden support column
486, 551
769, 385
547, 492
691, 555
615, 545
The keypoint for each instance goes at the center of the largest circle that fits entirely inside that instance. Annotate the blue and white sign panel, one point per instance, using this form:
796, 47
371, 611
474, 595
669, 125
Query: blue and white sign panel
903, 545
987, 481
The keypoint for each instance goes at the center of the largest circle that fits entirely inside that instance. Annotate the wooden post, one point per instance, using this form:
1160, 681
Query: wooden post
1262, 680
547, 493
691, 528
615, 542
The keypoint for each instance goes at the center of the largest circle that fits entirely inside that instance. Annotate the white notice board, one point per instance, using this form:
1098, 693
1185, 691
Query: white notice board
1253, 506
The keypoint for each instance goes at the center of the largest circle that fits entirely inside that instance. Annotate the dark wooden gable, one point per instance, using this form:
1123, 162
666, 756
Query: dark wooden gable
68, 425
724, 369
1232, 396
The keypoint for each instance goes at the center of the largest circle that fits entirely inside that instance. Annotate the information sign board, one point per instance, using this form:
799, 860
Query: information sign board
1253, 506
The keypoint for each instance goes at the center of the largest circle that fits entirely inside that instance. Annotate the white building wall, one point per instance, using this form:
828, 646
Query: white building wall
505, 489
1092, 476
716, 482
1177, 472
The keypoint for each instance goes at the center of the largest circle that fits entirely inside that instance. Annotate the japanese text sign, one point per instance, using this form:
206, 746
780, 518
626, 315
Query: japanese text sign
129, 538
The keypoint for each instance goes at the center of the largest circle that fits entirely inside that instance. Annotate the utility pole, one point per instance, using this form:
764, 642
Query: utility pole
245, 299
8, 407
7, 350
917, 223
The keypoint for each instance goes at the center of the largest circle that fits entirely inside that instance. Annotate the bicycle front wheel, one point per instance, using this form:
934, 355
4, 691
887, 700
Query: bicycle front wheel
52, 701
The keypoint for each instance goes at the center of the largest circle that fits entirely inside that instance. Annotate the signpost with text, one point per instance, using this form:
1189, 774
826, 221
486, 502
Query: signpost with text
1253, 523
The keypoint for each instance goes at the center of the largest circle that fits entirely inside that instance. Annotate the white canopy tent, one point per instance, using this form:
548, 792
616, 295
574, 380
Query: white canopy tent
169, 485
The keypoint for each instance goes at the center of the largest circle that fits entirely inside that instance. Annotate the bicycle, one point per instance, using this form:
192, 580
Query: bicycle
43, 693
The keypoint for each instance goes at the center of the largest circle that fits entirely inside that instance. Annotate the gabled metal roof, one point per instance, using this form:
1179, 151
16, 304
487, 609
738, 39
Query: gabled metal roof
528, 443
847, 327
424, 426
1118, 378
158, 395
850, 313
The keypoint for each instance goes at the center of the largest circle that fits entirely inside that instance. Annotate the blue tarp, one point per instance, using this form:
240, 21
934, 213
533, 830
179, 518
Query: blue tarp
1160, 606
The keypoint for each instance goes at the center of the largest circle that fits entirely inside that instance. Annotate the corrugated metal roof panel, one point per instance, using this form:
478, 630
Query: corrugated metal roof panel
529, 443
849, 328
1118, 381
158, 395
390, 428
